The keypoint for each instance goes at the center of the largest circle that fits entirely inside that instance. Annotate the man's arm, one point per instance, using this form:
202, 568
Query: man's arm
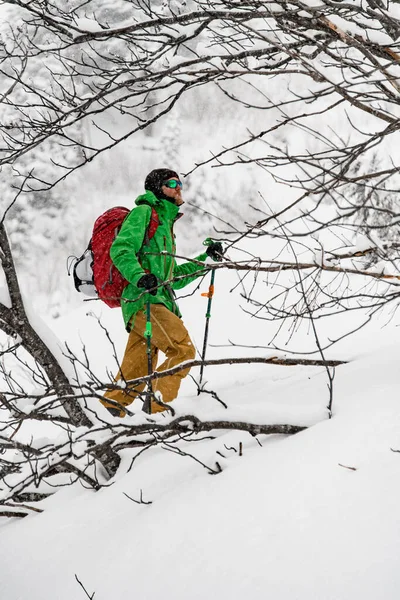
189, 271
129, 241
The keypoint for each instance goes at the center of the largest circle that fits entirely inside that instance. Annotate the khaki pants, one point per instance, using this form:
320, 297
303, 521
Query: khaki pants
168, 335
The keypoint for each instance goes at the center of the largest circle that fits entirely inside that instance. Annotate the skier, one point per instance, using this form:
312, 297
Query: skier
151, 270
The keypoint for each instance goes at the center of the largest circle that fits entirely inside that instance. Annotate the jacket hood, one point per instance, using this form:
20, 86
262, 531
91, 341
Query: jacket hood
165, 207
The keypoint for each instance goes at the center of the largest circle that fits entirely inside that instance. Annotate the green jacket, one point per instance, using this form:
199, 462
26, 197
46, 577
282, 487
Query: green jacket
133, 257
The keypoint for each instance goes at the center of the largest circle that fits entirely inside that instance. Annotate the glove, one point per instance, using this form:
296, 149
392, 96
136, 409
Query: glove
147, 282
215, 251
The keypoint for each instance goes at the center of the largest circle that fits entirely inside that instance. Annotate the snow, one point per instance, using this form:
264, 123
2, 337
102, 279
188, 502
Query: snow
88, 25
310, 516
5, 297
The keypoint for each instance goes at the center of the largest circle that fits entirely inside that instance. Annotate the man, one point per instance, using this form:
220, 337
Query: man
151, 270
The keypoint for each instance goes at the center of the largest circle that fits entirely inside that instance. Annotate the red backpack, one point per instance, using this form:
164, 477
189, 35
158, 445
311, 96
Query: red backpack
94, 272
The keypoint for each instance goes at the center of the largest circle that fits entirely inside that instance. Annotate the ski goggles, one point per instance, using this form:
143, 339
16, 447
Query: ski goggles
173, 184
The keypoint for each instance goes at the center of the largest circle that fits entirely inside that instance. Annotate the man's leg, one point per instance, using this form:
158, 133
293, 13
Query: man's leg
134, 364
171, 337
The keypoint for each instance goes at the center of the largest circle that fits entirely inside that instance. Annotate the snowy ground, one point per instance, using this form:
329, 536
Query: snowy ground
310, 516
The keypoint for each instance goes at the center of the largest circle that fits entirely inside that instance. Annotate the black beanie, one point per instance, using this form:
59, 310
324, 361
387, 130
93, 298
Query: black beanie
156, 179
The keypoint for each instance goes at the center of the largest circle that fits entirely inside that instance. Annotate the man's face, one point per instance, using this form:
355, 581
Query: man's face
175, 193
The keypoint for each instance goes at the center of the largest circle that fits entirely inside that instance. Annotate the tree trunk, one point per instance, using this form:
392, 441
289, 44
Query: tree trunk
14, 321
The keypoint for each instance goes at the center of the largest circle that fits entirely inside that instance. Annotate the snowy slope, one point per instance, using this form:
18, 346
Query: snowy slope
312, 516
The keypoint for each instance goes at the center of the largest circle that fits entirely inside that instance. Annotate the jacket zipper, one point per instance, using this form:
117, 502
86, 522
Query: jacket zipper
173, 252
165, 257
175, 309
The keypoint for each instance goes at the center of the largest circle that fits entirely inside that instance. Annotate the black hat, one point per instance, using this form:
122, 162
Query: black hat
156, 179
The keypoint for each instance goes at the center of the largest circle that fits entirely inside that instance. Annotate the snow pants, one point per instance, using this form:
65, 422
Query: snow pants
168, 335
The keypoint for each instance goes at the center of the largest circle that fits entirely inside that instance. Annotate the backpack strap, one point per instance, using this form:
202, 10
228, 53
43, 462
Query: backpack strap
152, 226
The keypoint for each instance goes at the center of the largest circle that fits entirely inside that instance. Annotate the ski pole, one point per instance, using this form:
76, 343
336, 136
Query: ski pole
208, 295
147, 335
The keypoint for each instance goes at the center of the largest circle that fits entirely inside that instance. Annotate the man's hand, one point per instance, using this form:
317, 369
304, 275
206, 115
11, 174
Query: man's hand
148, 282
215, 251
